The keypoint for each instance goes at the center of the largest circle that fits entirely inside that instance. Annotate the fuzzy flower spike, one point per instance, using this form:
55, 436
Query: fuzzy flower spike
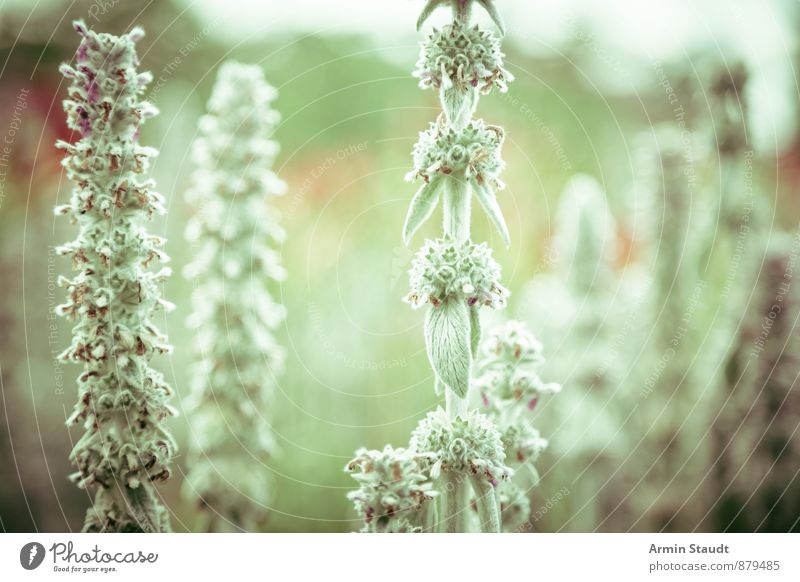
459, 451
126, 447
237, 358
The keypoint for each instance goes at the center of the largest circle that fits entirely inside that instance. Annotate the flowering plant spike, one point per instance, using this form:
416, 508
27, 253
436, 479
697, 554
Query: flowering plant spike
122, 404
237, 358
460, 453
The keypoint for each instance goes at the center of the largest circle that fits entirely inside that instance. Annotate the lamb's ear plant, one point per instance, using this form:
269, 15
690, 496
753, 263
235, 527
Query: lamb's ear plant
126, 447
585, 306
237, 358
509, 388
460, 451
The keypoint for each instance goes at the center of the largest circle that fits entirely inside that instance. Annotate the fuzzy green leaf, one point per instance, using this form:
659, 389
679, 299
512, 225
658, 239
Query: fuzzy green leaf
489, 6
430, 6
447, 339
422, 206
474, 329
488, 201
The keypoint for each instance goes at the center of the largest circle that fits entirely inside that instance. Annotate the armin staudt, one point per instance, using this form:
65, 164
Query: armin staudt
692, 549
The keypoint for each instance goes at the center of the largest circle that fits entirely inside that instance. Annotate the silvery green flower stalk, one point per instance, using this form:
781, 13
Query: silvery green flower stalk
509, 388
456, 158
113, 298
460, 450
237, 358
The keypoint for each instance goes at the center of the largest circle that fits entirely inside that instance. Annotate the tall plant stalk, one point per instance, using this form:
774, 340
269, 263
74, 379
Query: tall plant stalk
458, 156
459, 451
126, 447
237, 358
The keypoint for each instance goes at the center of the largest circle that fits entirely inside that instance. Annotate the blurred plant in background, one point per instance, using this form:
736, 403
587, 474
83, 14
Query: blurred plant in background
509, 388
122, 400
237, 356
664, 446
585, 308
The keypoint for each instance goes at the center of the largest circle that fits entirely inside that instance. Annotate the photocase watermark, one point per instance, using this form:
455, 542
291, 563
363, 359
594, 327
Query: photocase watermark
100, 8
14, 126
65, 558
177, 60
52, 327
744, 226
679, 334
31, 555
330, 347
527, 111
777, 306
319, 171
544, 509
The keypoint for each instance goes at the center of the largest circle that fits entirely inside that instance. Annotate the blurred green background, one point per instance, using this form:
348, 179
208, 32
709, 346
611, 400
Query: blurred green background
590, 82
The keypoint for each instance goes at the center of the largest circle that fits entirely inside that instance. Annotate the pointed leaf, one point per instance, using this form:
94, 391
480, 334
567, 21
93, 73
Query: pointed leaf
488, 201
489, 6
422, 206
430, 6
447, 339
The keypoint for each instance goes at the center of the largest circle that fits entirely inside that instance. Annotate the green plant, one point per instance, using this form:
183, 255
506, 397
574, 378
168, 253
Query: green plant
237, 358
586, 308
122, 403
509, 388
462, 451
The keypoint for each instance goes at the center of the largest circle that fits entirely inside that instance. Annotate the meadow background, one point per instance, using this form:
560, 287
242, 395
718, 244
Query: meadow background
682, 442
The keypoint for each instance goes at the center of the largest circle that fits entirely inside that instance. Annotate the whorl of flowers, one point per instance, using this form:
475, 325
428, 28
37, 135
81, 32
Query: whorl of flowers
444, 269
454, 160
509, 363
466, 444
113, 298
237, 357
464, 58
393, 489
523, 442
469, 153
510, 388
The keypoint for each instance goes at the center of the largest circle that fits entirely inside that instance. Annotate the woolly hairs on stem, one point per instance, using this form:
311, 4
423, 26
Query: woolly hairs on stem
460, 451
112, 299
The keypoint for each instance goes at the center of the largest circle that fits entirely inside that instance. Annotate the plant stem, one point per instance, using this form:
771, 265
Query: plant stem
488, 506
454, 405
457, 207
456, 491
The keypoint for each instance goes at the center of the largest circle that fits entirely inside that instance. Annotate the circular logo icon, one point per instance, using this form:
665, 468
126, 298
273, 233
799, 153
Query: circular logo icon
31, 555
